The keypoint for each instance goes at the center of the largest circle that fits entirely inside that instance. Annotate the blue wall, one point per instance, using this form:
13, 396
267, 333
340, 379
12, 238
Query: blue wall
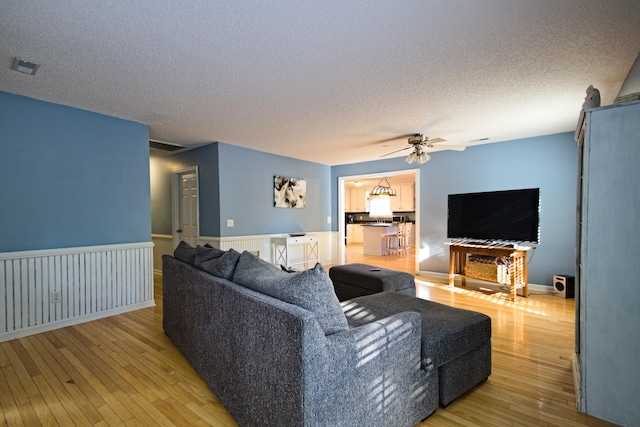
547, 162
246, 193
237, 183
70, 178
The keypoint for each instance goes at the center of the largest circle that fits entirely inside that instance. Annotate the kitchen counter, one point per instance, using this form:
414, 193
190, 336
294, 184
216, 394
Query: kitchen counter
372, 236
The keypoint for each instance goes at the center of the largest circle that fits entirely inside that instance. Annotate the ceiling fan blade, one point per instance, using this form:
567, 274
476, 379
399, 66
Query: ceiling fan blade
444, 147
405, 136
434, 140
397, 151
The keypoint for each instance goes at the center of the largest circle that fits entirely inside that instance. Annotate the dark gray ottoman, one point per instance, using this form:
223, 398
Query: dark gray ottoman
457, 342
354, 280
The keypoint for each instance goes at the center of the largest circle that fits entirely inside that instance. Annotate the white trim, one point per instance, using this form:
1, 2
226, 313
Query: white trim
90, 282
341, 208
74, 321
162, 244
74, 250
175, 200
262, 243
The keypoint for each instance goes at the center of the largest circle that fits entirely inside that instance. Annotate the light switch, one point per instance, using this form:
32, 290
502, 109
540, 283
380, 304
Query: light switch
230, 223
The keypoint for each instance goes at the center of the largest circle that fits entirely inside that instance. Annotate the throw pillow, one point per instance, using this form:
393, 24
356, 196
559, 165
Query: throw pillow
216, 261
185, 252
310, 289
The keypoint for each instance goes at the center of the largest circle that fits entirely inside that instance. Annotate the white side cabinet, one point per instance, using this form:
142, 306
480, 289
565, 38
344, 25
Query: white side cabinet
296, 251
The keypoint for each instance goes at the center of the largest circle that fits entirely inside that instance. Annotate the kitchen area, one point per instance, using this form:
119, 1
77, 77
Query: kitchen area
366, 228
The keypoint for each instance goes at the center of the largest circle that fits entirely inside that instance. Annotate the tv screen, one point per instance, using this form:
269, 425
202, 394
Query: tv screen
511, 216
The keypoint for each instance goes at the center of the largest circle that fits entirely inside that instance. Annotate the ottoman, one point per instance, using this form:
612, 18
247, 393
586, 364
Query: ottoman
454, 341
354, 280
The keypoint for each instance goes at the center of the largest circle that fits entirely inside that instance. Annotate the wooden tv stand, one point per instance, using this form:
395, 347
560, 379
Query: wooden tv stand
517, 270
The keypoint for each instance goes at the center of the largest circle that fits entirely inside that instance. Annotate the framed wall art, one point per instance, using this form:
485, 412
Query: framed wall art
289, 192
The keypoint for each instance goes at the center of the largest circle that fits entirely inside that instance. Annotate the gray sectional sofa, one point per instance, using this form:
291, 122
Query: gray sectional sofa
283, 361
278, 349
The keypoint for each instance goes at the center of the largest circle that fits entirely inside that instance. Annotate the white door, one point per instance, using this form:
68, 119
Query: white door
186, 212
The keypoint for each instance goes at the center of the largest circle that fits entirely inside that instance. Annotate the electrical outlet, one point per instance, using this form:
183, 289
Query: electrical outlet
329, 219
55, 297
230, 223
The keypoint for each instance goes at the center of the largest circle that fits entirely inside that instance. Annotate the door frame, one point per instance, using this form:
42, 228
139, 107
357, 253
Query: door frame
176, 200
341, 208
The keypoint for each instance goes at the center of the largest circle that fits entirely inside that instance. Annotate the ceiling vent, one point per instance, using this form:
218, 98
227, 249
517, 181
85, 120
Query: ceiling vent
23, 66
164, 146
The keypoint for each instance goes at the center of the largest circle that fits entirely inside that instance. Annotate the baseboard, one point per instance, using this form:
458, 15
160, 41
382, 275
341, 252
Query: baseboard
73, 321
577, 380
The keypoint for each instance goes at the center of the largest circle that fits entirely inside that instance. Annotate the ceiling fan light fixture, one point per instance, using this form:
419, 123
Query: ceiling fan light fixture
418, 156
423, 158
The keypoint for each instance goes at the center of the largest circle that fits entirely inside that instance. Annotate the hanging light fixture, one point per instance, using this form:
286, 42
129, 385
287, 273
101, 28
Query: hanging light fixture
380, 199
382, 190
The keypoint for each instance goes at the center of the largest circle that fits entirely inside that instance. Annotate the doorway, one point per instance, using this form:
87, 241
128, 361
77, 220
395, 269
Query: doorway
342, 194
185, 206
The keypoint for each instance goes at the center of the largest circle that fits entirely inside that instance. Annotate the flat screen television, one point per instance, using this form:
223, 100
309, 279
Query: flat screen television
509, 216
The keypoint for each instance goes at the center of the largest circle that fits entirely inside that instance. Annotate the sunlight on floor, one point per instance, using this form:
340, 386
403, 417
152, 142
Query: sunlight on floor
537, 304
489, 295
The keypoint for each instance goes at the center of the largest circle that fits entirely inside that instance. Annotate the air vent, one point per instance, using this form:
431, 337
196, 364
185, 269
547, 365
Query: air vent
23, 66
164, 146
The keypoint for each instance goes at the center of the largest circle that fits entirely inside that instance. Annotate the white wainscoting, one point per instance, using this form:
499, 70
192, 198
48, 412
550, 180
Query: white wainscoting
162, 245
92, 282
327, 245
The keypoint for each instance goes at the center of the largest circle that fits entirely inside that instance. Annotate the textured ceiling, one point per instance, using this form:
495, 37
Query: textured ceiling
323, 80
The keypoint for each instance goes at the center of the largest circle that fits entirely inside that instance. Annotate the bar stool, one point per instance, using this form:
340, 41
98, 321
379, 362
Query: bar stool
387, 243
393, 243
404, 242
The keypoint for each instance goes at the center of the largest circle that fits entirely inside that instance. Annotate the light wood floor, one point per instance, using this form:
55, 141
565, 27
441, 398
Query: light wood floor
123, 370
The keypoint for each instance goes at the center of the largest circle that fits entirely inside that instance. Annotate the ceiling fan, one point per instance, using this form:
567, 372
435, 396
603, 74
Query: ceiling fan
420, 145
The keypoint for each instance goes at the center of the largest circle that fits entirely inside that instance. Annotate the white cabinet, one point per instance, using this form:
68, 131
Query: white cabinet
354, 233
356, 200
358, 234
404, 201
296, 251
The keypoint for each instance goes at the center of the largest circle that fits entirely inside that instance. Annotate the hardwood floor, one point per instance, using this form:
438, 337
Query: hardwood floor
123, 370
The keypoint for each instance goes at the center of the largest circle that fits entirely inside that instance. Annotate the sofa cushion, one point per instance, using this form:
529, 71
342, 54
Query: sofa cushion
310, 289
447, 332
216, 261
185, 252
